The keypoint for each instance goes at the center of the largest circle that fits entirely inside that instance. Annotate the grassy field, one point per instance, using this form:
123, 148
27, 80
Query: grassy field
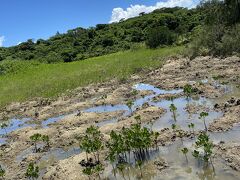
49, 80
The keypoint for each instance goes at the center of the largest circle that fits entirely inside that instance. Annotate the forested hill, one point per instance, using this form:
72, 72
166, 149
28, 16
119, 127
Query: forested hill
175, 25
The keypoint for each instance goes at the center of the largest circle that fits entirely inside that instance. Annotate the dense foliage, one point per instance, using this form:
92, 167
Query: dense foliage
220, 34
174, 25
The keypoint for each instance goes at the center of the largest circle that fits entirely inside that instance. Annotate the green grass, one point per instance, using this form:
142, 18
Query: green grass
49, 80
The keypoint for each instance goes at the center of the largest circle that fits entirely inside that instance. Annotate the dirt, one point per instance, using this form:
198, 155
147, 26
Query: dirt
173, 75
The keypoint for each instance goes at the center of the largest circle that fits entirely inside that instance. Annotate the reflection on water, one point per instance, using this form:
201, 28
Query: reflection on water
178, 167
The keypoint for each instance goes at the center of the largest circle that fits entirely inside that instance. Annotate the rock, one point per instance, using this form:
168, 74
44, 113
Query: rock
238, 102
216, 106
160, 164
231, 101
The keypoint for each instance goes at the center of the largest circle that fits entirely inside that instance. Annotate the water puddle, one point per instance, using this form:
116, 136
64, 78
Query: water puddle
52, 120
183, 117
15, 124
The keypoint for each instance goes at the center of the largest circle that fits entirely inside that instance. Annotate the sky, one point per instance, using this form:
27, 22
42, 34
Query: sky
21, 20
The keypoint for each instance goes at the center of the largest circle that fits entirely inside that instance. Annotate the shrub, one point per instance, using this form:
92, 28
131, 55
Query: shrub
159, 36
216, 40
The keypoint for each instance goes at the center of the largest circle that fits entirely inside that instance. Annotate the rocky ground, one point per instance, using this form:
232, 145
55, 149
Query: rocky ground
174, 74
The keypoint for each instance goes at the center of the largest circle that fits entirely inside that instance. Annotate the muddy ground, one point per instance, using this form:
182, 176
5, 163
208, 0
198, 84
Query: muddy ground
17, 152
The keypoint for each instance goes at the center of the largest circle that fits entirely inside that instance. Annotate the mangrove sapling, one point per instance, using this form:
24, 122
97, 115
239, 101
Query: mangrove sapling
88, 171
112, 158
91, 142
121, 167
139, 164
99, 169
2, 172
174, 127
155, 140
185, 151
35, 139
188, 91
196, 155
173, 109
45, 139
180, 134
104, 97
203, 116
116, 145
134, 92
204, 142
191, 127
130, 105
4, 126
32, 171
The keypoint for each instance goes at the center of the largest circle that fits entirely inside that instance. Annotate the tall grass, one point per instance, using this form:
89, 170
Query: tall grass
48, 80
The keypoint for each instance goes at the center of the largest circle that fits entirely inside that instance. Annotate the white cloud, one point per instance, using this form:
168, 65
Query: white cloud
134, 10
2, 39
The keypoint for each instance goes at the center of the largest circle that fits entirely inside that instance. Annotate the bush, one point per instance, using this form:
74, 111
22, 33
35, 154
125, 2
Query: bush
159, 36
215, 40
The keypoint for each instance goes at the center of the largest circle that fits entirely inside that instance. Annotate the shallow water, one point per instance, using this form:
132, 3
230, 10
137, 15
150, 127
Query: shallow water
184, 118
52, 155
52, 120
179, 166
231, 136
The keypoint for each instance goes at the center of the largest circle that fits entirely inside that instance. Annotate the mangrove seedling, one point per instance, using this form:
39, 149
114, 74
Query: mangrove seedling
45, 139
2, 172
88, 171
91, 142
139, 164
112, 158
99, 169
174, 127
180, 134
204, 142
4, 126
173, 109
185, 151
191, 127
134, 92
188, 90
196, 155
203, 116
130, 105
32, 171
121, 167
104, 97
35, 139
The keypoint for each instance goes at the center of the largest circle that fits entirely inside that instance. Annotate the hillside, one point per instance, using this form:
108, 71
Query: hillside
80, 43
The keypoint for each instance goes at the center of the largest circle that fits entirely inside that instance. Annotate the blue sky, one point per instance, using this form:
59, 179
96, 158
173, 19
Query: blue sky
26, 19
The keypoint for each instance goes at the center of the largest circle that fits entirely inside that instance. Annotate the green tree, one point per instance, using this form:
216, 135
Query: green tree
159, 36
